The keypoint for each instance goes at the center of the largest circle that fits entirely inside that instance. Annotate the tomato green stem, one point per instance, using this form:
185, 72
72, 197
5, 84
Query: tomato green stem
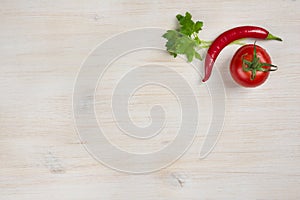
255, 65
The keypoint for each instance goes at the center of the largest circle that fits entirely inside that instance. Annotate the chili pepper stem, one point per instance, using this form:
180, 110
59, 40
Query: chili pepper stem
273, 37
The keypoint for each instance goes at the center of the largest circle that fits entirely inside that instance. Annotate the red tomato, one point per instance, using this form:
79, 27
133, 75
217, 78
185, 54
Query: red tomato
254, 63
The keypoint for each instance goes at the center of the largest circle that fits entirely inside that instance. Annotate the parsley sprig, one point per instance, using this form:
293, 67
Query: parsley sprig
185, 39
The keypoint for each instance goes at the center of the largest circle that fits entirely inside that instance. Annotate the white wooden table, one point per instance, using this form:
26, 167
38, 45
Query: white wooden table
43, 44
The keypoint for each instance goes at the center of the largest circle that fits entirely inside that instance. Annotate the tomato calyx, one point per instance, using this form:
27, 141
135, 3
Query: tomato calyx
255, 65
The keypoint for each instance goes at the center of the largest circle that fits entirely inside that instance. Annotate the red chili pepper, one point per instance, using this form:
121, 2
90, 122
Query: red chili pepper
228, 37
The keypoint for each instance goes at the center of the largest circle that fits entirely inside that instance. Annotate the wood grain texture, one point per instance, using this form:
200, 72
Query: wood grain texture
42, 45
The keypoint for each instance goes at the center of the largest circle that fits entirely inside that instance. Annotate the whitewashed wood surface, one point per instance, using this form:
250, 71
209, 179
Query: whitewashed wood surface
42, 45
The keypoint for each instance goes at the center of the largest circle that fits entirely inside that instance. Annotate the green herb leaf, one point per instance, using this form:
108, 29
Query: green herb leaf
184, 40
187, 25
179, 43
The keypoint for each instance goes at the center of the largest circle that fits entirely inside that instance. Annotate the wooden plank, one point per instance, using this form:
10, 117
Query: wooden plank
43, 44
